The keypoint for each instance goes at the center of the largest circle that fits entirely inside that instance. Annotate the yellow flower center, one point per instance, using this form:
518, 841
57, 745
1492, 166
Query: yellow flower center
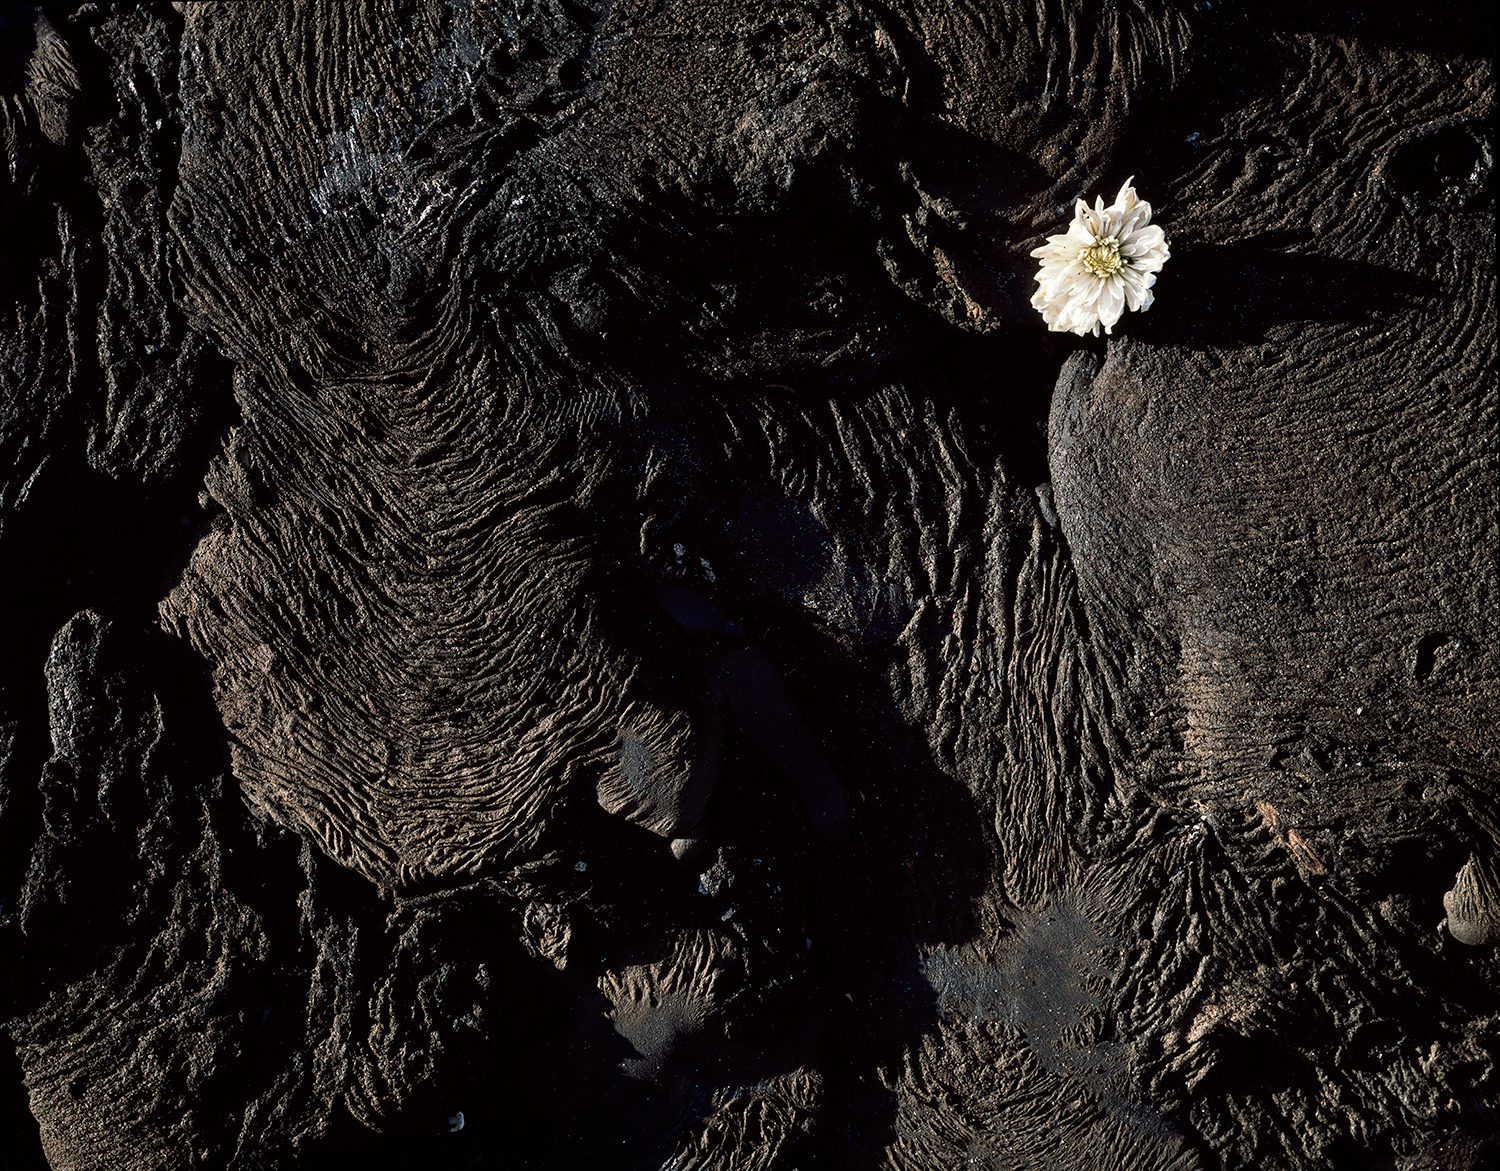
1103, 258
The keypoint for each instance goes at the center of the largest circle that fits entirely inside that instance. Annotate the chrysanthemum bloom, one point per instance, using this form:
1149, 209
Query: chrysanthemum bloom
1106, 260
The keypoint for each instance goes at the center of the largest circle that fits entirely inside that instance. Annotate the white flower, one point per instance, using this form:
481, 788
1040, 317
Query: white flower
1107, 260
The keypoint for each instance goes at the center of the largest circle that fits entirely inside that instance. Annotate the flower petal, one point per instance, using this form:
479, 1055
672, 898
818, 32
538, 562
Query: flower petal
1073, 298
1111, 302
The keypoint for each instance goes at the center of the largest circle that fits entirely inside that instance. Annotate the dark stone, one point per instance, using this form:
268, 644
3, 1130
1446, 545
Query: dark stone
561, 610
